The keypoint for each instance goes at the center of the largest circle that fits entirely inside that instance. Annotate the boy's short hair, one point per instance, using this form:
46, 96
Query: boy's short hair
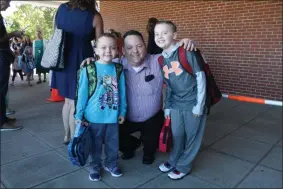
132, 32
170, 23
109, 35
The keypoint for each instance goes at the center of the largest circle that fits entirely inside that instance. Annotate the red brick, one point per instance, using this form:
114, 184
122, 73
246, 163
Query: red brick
242, 40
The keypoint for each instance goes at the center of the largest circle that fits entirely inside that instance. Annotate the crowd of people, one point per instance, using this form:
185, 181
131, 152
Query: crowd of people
125, 97
27, 57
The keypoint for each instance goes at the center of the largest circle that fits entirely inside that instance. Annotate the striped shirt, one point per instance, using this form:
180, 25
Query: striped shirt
144, 98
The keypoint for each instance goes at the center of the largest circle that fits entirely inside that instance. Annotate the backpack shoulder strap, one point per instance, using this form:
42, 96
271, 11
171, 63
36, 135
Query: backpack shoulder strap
183, 60
92, 81
119, 70
160, 60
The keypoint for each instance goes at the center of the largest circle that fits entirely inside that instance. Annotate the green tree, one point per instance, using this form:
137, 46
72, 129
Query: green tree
35, 17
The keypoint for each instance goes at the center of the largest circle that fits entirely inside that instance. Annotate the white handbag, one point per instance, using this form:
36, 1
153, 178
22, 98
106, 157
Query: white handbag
53, 56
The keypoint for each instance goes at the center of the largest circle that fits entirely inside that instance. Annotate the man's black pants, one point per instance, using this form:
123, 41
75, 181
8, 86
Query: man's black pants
5, 60
150, 131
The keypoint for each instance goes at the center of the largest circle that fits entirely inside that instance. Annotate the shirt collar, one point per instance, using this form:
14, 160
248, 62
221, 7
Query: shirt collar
129, 67
167, 55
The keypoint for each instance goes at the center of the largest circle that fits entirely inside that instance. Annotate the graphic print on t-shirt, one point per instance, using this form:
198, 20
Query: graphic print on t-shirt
110, 97
175, 68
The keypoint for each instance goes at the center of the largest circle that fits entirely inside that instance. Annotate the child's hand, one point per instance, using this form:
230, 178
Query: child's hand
121, 119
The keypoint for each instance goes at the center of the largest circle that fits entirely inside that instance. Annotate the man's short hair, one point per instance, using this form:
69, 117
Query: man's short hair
132, 32
170, 23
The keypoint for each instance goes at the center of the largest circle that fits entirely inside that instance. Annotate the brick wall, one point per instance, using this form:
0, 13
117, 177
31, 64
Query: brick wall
242, 40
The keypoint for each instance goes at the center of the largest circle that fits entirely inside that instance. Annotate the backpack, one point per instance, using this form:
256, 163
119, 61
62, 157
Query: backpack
79, 146
213, 94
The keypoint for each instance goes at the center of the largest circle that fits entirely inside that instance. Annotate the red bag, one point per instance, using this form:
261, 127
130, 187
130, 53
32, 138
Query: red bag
165, 137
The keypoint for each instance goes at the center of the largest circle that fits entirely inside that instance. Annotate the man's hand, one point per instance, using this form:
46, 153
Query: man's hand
121, 119
87, 61
188, 44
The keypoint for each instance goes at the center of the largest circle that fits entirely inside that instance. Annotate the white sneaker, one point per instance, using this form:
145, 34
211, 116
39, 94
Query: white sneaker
165, 167
176, 175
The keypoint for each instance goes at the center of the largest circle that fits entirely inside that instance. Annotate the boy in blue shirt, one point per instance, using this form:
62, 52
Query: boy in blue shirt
105, 108
184, 102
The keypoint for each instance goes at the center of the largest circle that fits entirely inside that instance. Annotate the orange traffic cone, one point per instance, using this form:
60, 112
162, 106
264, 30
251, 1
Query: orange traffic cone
55, 97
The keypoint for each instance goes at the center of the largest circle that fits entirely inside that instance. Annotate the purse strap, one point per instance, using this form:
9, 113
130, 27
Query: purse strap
54, 18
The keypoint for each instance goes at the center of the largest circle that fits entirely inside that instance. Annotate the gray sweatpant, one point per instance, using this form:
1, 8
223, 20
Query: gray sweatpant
187, 134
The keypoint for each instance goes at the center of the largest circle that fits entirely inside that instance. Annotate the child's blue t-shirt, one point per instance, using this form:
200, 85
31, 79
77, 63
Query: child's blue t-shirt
109, 99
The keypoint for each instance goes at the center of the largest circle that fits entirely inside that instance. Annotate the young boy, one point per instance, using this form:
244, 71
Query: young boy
184, 102
29, 63
103, 108
17, 66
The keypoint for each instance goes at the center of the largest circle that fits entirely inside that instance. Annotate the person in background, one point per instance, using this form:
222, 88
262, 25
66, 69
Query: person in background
38, 49
119, 41
17, 66
16, 44
28, 61
152, 48
6, 57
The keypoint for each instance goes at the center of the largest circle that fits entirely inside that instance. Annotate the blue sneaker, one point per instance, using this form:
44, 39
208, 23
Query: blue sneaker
94, 176
115, 172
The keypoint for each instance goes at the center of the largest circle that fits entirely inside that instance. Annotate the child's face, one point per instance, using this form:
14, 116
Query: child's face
29, 50
106, 49
164, 36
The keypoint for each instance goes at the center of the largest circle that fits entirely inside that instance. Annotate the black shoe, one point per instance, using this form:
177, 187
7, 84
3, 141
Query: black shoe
128, 155
148, 160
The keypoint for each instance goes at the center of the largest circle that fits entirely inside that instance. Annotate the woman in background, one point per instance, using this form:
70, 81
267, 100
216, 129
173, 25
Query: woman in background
38, 48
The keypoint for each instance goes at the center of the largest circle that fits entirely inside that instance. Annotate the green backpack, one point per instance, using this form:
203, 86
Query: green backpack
92, 81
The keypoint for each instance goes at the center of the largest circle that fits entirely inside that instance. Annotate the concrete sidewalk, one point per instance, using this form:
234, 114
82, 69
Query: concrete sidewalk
242, 148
